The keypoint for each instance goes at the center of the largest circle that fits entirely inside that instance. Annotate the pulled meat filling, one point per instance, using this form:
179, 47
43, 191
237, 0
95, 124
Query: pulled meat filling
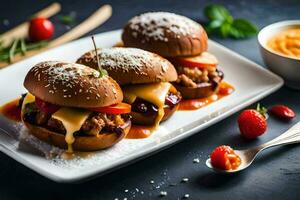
190, 77
95, 123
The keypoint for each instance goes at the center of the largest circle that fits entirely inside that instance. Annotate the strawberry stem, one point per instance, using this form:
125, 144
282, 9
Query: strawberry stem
262, 110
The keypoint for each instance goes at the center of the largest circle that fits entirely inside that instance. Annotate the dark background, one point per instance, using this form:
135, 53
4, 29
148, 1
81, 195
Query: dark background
274, 175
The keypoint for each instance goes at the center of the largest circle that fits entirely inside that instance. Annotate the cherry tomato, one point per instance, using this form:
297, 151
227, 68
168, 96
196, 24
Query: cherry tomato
205, 60
45, 106
40, 29
120, 108
223, 157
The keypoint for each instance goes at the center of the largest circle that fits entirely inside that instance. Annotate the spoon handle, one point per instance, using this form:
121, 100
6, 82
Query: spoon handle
289, 137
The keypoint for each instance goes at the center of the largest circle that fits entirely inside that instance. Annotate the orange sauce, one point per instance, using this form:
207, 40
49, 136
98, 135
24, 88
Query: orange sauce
286, 43
11, 110
139, 132
194, 104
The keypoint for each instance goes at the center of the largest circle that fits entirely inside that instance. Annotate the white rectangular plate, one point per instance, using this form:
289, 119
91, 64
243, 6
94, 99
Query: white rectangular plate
251, 81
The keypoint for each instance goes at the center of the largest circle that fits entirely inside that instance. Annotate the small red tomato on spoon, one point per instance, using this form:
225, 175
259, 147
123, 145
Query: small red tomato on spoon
40, 28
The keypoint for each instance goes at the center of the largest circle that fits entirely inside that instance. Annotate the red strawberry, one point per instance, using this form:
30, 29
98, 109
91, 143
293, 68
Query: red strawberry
252, 123
283, 112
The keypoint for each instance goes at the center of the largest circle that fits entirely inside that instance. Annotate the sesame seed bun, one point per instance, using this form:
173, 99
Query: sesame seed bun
131, 65
72, 85
81, 143
166, 34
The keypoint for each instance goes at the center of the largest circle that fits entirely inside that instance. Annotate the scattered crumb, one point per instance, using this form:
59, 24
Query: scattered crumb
196, 160
126, 191
184, 180
6, 22
163, 193
186, 196
152, 182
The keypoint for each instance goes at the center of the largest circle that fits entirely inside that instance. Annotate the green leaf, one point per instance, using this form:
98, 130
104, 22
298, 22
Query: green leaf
103, 72
213, 26
242, 28
67, 19
217, 12
225, 29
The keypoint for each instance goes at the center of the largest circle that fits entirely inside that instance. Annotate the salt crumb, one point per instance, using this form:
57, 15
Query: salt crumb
163, 193
6, 22
185, 180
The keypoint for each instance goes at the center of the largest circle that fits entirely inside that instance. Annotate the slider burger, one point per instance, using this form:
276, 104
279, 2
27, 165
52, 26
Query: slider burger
183, 42
144, 78
72, 107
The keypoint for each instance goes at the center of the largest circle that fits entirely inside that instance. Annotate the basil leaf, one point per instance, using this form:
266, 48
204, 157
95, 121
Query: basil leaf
213, 26
242, 28
225, 29
217, 12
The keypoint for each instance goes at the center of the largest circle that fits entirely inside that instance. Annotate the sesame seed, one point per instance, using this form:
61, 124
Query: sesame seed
126, 190
186, 196
152, 182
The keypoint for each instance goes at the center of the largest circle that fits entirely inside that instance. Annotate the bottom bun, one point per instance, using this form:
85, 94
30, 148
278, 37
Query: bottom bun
146, 120
201, 91
82, 143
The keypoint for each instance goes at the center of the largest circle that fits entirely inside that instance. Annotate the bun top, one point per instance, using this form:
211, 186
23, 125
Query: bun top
165, 33
72, 85
131, 65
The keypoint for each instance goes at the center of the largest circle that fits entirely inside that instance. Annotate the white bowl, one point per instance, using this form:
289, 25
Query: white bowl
286, 67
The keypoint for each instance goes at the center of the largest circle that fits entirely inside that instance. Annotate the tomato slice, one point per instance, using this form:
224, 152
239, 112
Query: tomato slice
205, 60
45, 106
120, 108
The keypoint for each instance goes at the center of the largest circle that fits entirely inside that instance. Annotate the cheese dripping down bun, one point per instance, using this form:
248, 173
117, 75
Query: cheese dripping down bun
143, 76
166, 34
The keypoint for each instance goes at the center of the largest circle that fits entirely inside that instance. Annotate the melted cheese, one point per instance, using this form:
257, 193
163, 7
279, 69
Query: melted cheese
29, 98
72, 119
153, 93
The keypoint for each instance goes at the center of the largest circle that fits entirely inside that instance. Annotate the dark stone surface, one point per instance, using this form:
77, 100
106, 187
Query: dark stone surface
274, 175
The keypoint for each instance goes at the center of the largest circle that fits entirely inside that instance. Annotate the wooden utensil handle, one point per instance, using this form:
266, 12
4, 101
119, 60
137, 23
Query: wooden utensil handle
92, 22
21, 31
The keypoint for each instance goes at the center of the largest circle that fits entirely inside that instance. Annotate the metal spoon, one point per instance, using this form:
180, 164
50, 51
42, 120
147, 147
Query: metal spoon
248, 155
